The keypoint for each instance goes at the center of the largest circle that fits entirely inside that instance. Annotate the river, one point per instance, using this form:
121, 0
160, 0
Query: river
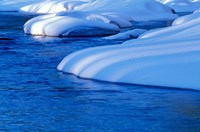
34, 96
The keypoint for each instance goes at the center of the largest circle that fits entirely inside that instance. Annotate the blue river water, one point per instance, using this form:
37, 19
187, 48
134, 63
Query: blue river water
35, 97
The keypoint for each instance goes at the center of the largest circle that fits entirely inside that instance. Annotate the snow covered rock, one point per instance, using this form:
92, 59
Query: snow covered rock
61, 25
182, 5
167, 57
126, 35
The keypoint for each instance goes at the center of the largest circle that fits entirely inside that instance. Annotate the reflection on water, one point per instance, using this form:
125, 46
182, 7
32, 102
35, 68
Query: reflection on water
34, 96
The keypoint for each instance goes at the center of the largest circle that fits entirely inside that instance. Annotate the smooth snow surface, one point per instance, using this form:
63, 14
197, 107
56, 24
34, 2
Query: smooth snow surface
167, 57
182, 5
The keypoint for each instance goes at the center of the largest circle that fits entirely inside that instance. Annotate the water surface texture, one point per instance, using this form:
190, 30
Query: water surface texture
34, 96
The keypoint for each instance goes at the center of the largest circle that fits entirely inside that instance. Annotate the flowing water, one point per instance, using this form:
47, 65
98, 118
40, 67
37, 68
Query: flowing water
35, 97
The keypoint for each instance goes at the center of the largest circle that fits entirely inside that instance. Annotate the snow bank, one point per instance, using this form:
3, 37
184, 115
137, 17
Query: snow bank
168, 57
98, 17
182, 5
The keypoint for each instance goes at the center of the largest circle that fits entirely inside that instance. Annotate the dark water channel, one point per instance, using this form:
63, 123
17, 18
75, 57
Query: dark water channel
35, 97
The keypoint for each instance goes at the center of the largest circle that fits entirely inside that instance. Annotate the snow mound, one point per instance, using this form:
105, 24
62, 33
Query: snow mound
167, 57
62, 25
142, 10
126, 35
182, 5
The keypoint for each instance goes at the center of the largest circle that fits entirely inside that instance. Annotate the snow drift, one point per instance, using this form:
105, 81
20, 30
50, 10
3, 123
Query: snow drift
167, 57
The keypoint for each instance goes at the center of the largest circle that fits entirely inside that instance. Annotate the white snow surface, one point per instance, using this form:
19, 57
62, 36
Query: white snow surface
182, 5
167, 57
